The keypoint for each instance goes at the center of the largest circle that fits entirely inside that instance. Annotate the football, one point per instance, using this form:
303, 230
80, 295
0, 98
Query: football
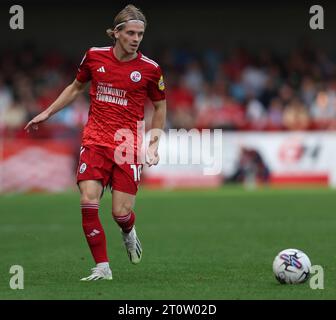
291, 266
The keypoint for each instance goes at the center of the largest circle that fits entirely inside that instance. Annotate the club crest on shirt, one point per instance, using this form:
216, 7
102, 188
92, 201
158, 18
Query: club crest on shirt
161, 84
135, 76
82, 168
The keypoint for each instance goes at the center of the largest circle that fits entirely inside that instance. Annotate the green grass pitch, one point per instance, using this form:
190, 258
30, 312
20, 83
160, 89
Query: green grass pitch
205, 244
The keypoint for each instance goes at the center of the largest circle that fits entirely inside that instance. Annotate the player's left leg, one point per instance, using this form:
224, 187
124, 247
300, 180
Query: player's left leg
125, 181
93, 229
92, 177
123, 214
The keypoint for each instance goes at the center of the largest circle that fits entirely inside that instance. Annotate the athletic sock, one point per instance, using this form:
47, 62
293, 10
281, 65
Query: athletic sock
94, 232
126, 222
103, 265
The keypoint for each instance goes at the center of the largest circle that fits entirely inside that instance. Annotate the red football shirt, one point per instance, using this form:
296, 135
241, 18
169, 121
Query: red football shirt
118, 93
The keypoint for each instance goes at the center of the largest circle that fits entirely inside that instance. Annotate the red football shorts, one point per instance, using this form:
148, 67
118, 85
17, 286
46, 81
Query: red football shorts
98, 163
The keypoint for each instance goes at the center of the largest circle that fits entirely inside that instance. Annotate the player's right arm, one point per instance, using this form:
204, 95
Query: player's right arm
69, 94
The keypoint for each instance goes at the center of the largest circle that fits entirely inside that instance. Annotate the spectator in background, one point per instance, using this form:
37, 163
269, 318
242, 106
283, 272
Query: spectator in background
69, 122
307, 90
217, 109
275, 115
254, 79
212, 60
237, 61
323, 109
181, 100
296, 116
326, 66
193, 76
13, 117
270, 90
23, 88
231, 116
237, 90
6, 96
255, 113
208, 101
286, 93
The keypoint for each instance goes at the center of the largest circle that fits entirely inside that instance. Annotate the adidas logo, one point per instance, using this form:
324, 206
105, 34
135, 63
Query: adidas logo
93, 233
101, 69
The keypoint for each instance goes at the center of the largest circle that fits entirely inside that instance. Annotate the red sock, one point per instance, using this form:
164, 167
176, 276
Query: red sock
94, 231
126, 222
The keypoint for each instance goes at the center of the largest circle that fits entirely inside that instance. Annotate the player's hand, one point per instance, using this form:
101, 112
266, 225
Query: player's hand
33, 124
152, 156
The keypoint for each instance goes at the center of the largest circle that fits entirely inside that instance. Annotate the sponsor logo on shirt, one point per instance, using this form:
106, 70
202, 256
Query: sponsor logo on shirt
107, 93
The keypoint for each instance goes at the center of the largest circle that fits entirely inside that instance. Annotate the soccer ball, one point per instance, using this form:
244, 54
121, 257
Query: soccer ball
291, 266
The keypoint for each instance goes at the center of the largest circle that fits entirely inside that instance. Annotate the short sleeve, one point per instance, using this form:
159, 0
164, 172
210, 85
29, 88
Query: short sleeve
156, 86
83, 73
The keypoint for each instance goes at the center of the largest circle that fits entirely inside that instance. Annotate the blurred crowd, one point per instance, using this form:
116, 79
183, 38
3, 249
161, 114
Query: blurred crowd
235, 90
243, 90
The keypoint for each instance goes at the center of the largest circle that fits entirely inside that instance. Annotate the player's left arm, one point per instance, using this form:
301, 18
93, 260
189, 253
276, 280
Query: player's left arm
158, 123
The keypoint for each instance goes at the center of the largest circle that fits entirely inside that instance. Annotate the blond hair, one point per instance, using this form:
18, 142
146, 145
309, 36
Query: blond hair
130, 12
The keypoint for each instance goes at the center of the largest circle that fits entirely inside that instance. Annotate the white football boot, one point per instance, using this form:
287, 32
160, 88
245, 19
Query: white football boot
99, 273
133, 246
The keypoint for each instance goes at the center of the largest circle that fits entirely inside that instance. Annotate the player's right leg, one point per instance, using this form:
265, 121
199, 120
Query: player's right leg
91, 191
91, 180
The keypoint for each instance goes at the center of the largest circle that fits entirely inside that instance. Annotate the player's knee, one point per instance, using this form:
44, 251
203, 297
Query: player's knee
90, 191
121, 209
87, 197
